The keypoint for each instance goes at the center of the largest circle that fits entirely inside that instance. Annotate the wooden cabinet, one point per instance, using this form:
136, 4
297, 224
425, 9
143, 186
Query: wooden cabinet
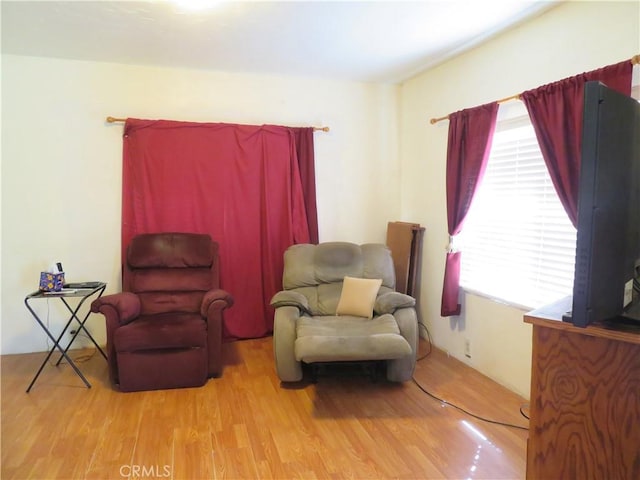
585, 400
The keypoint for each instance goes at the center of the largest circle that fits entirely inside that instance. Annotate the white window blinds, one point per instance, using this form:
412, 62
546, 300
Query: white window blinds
517, 243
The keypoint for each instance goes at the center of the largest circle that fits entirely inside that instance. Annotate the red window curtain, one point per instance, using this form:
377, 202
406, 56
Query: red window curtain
556, 114
470, 135
239, 183
306, 164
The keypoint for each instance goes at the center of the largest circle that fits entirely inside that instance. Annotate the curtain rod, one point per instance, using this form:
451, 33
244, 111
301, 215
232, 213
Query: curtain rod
114, 120
635, 60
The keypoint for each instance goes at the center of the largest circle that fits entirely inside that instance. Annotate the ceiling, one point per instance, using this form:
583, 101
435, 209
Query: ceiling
369, 41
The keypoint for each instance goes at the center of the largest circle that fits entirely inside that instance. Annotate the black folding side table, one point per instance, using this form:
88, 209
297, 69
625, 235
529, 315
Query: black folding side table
97, 289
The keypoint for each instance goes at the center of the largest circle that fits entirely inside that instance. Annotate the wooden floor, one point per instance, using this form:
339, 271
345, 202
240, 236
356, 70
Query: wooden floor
246, 425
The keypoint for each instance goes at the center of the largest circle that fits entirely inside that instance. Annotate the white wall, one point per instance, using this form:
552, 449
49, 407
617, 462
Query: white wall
61, 173
61, 162
572, 38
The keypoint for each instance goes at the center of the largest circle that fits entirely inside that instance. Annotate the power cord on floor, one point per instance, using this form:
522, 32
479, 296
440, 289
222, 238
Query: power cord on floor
496, 422
424, 327
85, 357
488, 420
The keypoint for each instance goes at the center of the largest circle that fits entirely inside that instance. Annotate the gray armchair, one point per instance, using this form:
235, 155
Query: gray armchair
339, 304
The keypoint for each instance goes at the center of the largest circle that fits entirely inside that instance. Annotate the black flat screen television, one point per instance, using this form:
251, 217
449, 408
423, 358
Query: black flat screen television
607, 265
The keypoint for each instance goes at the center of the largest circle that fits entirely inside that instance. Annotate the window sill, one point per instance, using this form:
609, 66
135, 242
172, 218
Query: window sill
496, 299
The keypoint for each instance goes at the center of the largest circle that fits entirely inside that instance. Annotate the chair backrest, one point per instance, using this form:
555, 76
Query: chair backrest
171, 272
317, 271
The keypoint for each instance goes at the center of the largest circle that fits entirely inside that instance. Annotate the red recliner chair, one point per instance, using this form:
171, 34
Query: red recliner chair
165, 329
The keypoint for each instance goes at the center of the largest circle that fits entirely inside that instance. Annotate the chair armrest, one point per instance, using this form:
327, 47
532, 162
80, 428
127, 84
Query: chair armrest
213, 304
118, 309
123, 307
401, 369
389, 302
217, 299
287, 298
284, 338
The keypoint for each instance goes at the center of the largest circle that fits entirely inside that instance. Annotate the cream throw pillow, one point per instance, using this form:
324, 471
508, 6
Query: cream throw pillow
358, 296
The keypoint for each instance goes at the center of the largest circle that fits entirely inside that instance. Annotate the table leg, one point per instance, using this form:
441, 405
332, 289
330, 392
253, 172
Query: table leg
74, 315
56, 344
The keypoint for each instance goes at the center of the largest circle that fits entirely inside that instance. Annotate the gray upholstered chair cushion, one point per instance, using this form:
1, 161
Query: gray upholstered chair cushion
312, 265
346, 338
291, 298
317, 271
389, 302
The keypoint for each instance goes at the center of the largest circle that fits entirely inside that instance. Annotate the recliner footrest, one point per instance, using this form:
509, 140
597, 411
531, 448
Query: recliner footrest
347, 338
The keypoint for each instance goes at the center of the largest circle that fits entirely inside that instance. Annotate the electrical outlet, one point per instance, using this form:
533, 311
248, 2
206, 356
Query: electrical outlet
467, 348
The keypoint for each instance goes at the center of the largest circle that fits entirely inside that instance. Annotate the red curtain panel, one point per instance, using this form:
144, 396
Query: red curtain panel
239, 183
556, 114
306, 164
470, 135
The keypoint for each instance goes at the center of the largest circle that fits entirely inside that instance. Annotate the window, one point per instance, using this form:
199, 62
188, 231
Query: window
518, 244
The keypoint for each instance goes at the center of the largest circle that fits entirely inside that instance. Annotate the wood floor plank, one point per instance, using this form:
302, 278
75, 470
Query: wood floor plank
193, 454
235, 463
247, 425
154, 442
113, 454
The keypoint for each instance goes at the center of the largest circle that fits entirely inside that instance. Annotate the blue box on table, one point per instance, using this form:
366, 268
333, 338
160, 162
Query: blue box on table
51, 282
